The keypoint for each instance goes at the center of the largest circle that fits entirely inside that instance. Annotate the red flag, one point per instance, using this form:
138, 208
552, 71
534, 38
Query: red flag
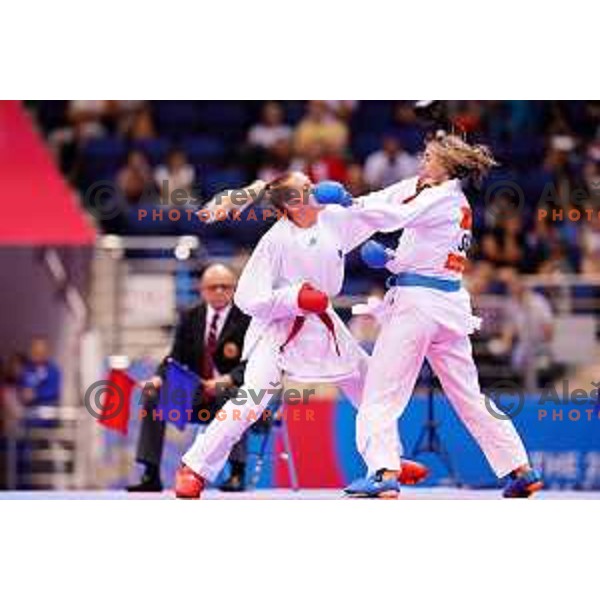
116, 401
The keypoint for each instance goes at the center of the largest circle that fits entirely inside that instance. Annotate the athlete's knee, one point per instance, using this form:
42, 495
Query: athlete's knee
369, 416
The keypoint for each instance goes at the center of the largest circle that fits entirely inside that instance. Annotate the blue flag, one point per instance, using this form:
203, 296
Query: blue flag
177, 394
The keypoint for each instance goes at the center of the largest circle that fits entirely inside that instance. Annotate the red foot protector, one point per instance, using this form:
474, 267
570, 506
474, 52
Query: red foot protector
188, 485
412, 472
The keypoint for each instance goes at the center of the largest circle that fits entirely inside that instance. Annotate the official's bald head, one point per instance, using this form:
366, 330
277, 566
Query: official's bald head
217, 285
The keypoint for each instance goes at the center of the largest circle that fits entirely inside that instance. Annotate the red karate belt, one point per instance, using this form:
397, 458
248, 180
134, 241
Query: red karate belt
298, 324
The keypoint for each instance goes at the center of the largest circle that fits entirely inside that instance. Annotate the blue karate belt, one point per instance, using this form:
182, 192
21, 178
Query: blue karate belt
415, 280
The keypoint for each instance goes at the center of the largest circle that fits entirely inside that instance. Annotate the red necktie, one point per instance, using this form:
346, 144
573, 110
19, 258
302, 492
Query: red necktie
208, 363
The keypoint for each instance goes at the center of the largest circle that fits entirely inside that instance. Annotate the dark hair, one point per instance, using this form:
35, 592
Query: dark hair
279, 191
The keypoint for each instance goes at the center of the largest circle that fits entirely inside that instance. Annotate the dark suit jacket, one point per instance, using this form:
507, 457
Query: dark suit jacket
188, 345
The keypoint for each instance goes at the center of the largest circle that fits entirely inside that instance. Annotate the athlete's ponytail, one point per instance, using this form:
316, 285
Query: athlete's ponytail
461, 159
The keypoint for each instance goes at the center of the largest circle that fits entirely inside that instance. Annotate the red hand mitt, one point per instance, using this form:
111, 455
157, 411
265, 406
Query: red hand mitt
311, 299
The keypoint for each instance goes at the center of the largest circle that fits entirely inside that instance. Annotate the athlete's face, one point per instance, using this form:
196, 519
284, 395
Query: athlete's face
432, 166
299, 206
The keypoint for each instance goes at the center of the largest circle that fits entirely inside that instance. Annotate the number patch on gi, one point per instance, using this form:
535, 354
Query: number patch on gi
457, 261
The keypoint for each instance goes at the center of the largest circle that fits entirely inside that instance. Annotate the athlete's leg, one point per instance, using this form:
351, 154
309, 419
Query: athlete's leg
353, 387
452, 360
262, 379
393, 370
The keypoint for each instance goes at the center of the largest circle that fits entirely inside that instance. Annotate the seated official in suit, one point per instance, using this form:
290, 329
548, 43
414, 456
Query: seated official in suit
208, 340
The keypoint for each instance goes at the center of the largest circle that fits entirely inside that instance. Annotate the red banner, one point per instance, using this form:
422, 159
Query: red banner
38, 207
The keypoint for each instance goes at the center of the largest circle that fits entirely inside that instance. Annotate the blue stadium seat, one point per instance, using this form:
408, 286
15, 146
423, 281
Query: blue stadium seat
525, 151
250, 228
52, 113
376, 116
411, 137
177, 118
534, 184
365, 143
221, 247
103, 157
155, 149
216, 181
203, 148
150, 224
225, 117
586, 298
294, 110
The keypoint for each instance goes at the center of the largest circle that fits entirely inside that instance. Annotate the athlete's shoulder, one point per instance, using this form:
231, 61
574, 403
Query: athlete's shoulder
277, 231
401, 190
448, 194
332, 210
410, 182
452, 189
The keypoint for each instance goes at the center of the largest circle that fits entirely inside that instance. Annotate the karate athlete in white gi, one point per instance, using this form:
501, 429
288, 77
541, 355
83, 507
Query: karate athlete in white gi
427, 314
286, 287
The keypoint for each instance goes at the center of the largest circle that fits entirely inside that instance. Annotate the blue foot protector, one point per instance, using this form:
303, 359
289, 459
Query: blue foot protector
524, 485
374, 486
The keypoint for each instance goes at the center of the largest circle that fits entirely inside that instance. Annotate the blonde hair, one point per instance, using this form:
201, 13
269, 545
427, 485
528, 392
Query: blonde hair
460, 158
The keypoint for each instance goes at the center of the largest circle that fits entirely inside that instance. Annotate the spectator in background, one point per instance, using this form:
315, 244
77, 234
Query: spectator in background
406, 127
504, 244
545, 250
126, 112
342, 108
139, 125
479, 279
528, 327
404, 114
12, 407
538, 245
269, 142
522, 117
135, 177
558, 261
176, 174
319, 163
591, 173
468, 116
13, 370
389, 165
320, 125
90, 114
271, 128
355, 180
591, 230
40, 378
277, 162
591, 245
83, 121
239, 260
557, 164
